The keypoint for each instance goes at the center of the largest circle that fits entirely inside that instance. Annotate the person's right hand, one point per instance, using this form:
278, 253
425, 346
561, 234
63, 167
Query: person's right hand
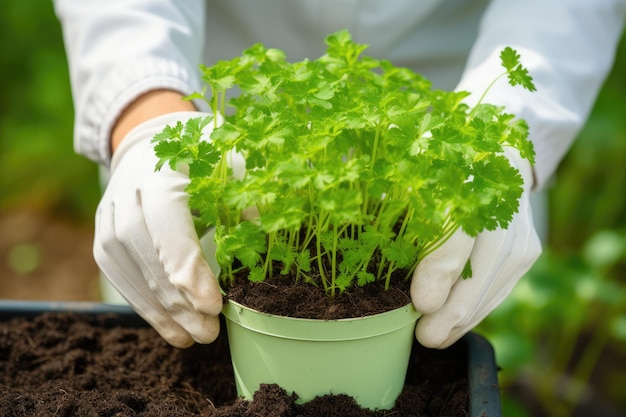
146, 244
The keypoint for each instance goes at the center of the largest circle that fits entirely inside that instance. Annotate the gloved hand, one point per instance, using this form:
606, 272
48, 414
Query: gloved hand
452, 306
146, 245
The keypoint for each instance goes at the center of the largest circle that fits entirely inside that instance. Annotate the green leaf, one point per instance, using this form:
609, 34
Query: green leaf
205, 195
219, 76
518, 75
223, 254
173, 153
343, 281
518, 138
256, 274
340, 45
372, 237
510, 58
303, 260
204, 161
195, 96
341, 205
245, 242
285, 214
225, 137
352, 258
467, 270
285, 254
364, 278
401, 252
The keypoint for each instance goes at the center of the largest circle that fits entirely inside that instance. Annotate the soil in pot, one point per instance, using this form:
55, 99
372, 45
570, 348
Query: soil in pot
279, 295
66, 364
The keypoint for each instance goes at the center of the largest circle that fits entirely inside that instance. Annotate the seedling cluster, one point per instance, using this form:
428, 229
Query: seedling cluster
357, 168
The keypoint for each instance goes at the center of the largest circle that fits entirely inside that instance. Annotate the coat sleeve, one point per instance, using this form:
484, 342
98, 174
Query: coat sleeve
120, 49
568, 47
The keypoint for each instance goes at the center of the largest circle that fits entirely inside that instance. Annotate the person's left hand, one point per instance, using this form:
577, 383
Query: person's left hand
452, 306
146, 245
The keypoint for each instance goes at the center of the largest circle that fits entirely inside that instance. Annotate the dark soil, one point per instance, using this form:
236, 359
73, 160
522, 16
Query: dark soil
64, 364
279, 295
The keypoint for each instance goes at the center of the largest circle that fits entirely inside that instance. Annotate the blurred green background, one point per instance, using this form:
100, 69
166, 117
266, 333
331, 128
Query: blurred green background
38, 167
560, 338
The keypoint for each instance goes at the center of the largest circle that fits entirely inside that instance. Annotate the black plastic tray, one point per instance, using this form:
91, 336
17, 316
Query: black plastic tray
482, 368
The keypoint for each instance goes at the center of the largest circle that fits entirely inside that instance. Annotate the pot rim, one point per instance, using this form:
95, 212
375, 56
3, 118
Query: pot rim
318, 329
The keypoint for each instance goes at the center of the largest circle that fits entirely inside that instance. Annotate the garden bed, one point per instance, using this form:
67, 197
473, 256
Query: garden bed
69, 359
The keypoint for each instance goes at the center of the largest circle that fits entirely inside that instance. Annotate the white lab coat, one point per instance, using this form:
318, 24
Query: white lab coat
119, 49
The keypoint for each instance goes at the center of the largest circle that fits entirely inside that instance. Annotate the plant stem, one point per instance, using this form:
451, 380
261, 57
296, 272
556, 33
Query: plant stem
223, 104
318, 255
213, 105
333, 263
390, 269
375, 147
381, 266
268, 265
482, 97
446, 232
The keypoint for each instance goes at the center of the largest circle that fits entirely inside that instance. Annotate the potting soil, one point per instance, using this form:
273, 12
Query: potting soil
66, 364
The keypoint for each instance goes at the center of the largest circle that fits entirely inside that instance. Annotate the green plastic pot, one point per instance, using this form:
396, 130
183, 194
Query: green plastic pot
366, 358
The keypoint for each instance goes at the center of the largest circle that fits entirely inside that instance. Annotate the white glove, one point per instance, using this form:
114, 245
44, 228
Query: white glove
452, 306
146, 244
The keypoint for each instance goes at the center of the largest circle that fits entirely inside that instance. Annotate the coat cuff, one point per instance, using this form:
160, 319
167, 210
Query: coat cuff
123, 85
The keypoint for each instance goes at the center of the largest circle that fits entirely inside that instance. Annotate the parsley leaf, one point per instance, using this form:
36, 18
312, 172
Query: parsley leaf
518, 75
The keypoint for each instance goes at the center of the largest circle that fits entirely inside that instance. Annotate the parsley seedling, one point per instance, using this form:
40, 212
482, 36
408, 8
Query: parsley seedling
358, 169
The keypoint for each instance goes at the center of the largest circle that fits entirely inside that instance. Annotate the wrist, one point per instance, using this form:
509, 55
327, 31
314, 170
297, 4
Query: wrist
152, 104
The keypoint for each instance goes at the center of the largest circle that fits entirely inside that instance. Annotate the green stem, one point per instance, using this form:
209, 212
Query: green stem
318, 255
214, 105
230, 273
333, 263
311, 224
447, 231
390, 269
223, 103
375, 147
405, 221
268, 265
381, 266
482, 97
